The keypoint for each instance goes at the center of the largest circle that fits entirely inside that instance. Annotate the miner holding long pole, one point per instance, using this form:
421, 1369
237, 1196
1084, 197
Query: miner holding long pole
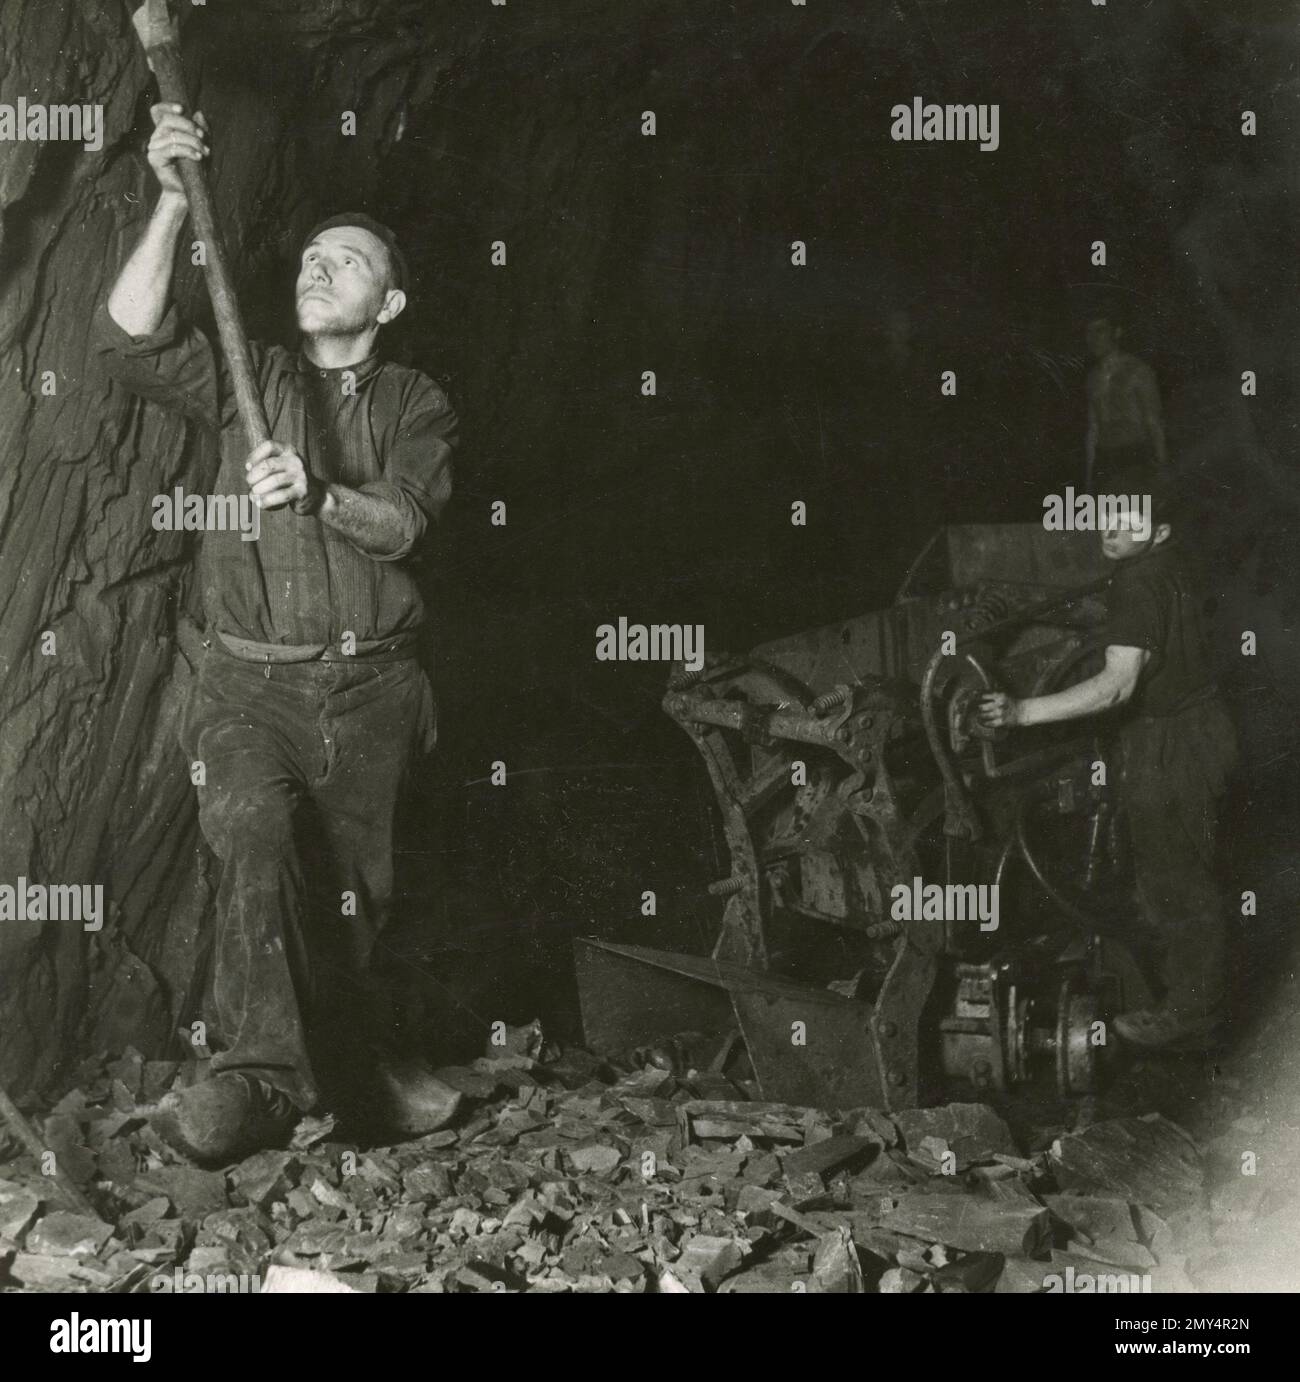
310, 702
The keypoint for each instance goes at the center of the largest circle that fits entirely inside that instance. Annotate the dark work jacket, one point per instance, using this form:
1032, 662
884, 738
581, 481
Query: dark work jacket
379, 428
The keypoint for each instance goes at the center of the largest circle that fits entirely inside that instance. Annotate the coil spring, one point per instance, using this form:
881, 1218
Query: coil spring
824, 704
988, 609
679, 681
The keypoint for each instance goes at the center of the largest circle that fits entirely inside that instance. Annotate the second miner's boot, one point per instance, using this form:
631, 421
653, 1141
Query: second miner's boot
411, 1100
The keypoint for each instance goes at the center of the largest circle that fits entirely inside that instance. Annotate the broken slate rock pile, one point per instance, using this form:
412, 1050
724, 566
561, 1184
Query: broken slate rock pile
570, 1175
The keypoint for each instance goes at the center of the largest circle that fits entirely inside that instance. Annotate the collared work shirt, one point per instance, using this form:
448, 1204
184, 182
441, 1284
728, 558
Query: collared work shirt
379, 428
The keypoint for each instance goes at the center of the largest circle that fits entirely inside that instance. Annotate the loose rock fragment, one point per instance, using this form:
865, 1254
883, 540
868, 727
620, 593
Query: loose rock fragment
972, 1132
900, 1281
836, 1269
706, 1259
43, 1272
68, 1235
280, 1281
829, 1155
1022, 1277
18, 1207
597, 1158
195, 1193
971, 1222
266, 1177
1149, 1161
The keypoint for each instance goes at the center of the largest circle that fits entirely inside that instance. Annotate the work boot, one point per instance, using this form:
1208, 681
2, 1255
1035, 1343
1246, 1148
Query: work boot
1160, 1029
411, 1100
225, 1118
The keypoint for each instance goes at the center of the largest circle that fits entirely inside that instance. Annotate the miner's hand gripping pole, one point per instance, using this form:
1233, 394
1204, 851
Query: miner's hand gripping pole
161, 41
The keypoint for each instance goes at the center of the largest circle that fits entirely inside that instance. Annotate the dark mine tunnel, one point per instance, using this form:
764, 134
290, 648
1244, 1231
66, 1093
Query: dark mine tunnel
733, 345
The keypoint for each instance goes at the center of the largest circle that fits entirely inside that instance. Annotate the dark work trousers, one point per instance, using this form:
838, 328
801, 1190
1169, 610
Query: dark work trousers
1174, 770
303, 763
